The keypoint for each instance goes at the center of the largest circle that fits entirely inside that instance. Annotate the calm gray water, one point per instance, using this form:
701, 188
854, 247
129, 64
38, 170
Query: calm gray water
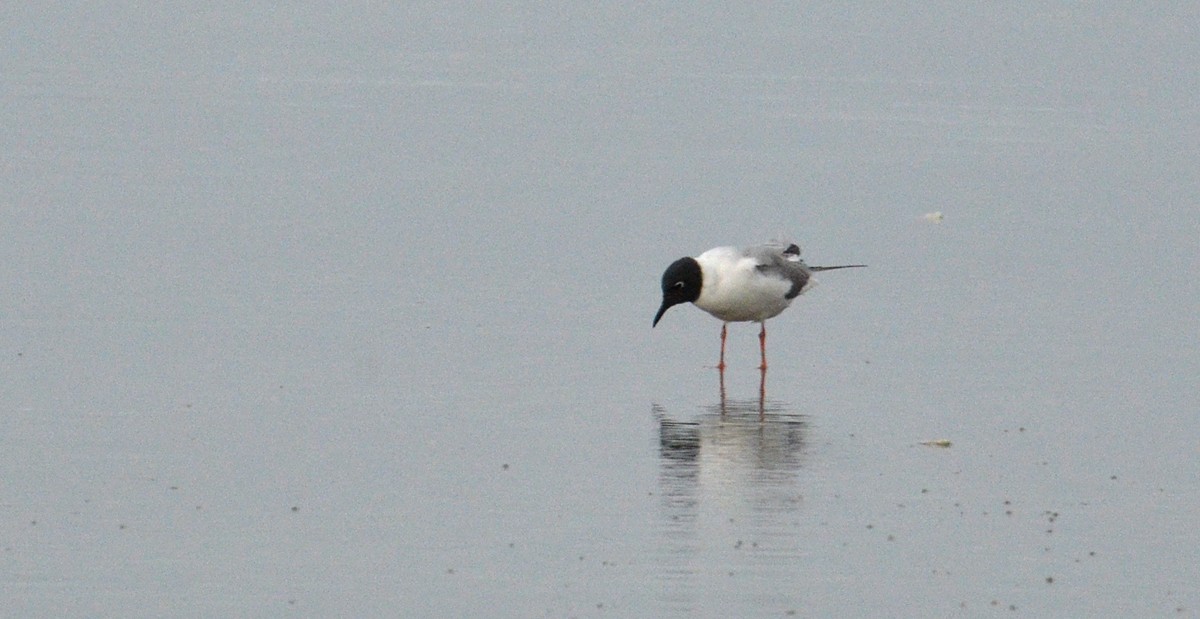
325, 311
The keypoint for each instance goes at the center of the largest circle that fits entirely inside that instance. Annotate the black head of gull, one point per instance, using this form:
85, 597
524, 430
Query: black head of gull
680, 284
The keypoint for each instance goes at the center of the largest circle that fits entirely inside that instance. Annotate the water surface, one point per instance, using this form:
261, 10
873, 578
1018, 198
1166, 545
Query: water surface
347, 312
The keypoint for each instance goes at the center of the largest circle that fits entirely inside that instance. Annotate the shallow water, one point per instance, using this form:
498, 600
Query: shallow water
348, 313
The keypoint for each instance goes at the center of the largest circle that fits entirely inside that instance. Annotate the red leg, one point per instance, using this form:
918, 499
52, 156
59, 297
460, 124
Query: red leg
721, 365
762, 345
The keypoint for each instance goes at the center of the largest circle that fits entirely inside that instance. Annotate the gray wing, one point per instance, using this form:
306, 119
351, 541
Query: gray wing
782, 261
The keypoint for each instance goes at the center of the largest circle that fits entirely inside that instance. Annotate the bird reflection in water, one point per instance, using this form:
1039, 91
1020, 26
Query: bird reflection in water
727, 475
762, 392
733, 435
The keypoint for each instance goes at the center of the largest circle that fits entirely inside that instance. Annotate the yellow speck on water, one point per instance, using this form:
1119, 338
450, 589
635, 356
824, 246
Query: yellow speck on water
941, 442
935, 217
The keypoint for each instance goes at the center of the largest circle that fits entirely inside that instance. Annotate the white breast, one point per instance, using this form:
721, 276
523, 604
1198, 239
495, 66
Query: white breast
735, 290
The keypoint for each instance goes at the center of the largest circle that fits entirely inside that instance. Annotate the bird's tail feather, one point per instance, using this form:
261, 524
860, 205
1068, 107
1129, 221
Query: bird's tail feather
844, 266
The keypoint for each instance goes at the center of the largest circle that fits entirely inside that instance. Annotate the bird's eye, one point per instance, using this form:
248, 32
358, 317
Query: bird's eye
680, 284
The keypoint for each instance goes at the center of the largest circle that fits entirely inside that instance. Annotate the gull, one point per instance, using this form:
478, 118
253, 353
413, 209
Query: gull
749, 284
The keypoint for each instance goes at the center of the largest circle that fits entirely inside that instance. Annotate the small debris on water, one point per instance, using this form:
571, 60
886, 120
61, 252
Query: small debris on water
940, 442
935, 217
